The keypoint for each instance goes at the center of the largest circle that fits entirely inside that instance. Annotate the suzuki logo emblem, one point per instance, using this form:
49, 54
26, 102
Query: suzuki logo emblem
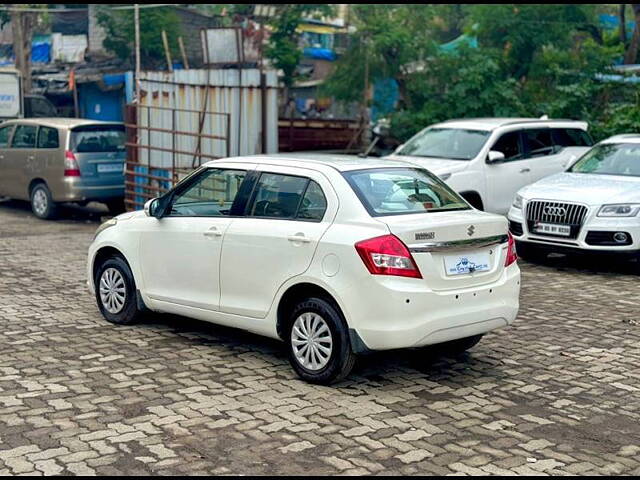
555, 211
471, 230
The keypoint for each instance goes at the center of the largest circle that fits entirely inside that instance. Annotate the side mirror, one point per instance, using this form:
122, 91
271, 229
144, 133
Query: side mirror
495, 157
150, 207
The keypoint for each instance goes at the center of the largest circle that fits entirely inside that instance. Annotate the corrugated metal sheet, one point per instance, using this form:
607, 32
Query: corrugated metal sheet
233, 110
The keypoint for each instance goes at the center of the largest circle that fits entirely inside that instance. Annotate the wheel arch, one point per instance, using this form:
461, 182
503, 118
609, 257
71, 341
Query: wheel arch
102, 254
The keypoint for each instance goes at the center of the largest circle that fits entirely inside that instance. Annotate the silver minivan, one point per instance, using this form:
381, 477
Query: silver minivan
48, 161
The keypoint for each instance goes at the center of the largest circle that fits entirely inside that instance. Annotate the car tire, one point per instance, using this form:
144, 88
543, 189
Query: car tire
116, 207
116, 293
328, 357
42, 203
530, 253
458, 347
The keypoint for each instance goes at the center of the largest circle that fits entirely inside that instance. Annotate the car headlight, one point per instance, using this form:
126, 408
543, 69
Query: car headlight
619, 210
104, 226
445, 176
517, 202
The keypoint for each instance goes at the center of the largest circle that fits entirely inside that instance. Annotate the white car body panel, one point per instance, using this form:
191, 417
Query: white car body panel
258, 264
497, 183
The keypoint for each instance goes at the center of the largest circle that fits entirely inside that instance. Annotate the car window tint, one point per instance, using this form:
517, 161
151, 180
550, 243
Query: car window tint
277, 196
211, 195
48, 138
5, 133
539, 142
571, 137
314, 203
509, 144
25, 136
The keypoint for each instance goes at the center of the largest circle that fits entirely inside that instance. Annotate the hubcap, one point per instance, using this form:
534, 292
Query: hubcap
113, 291
40, 202
311, 341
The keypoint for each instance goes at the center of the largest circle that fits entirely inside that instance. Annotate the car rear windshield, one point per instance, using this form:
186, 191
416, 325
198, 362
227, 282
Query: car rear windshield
98, 139
610, 159
449, 143
401, 191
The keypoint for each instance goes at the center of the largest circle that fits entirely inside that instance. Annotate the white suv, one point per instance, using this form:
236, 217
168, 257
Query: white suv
487, 160
335, 257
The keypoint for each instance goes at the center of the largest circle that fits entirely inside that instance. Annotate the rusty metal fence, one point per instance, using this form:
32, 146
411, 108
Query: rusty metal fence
165, 144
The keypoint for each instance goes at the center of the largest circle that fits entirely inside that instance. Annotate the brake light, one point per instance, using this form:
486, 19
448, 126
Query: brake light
387, 255
512, 256
71, 168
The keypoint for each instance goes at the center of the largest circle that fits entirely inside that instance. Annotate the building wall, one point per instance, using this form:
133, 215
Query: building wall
191, 24
97, 34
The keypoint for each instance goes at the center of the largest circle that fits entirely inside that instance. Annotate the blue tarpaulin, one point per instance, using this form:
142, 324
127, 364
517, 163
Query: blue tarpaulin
319, 53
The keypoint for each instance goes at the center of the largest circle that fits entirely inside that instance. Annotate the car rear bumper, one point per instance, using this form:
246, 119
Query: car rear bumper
410, 318
75, 190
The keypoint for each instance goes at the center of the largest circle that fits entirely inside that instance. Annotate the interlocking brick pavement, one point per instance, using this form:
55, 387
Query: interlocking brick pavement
557, 393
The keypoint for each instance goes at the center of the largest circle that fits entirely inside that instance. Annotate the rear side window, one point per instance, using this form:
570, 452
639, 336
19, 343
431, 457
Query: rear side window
25, 136
48, 138
5, 133
571, 137
538, 142
98, 139
314, 203
397, 191
277, 196
509, 144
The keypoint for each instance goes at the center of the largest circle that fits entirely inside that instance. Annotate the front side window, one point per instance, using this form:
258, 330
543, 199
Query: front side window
509, 145
277, 196
394, 191
539, 142
610, 159
210, 195
25, 136
449, 143
48, 138
5, 133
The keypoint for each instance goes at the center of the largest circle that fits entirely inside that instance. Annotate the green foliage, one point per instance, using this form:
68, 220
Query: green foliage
283, 48
119, 26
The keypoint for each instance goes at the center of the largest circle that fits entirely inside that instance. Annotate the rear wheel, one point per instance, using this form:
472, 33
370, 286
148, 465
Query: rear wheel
319, 347
116, 292
42, 203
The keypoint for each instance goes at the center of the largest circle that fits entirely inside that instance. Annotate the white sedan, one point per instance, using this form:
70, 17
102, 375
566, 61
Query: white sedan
592, 207
334, 257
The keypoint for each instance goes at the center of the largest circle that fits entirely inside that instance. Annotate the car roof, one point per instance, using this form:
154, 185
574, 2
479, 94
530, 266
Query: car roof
497, 122
341, 163
623, 138
59, 122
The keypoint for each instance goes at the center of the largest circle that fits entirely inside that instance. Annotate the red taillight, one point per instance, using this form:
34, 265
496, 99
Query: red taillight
387, 255
512, 256
71, 168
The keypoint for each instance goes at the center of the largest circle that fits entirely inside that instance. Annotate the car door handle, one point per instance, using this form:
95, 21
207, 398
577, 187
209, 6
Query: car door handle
298, 238
213, 232
525, 170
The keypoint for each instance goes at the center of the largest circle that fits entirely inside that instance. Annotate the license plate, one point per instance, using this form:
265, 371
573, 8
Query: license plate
110, 168
466, 263
551, 229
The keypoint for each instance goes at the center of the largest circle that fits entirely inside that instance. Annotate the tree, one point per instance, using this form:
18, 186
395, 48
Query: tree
23, 23
631, 54
119, 26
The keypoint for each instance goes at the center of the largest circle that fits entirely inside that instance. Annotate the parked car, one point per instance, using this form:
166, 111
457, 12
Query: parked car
592, 207
14, 103
335, 257
487, 160
54, 160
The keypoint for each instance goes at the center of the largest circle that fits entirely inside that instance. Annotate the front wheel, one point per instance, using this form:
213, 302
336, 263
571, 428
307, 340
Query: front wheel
116, 292
319, 347
42, 203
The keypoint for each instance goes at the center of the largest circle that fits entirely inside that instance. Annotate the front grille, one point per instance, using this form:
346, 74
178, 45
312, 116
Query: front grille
557, 213
596, 238
515, 228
